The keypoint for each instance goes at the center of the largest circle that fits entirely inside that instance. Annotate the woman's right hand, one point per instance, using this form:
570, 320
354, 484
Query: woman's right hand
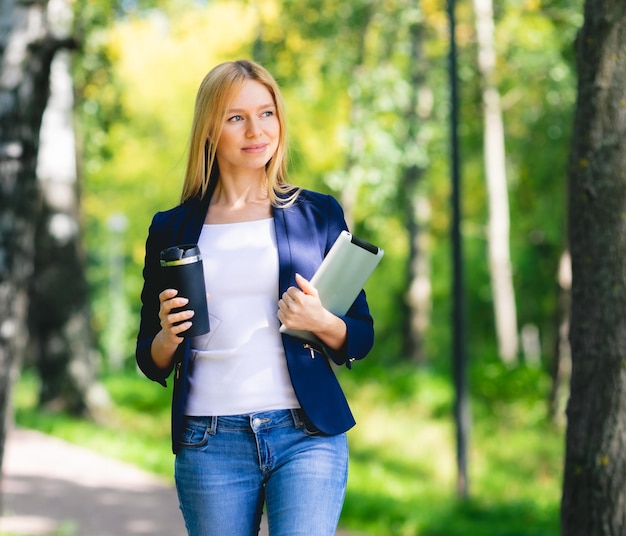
167, 340
173, 323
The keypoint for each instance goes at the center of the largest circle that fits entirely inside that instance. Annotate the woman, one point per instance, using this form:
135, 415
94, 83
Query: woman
258, 417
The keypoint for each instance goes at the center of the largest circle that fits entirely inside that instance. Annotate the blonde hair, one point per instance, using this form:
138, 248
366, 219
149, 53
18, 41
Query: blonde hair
212, 102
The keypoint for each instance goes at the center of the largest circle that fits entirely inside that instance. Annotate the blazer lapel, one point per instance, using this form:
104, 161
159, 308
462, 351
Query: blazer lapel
191, 220
284, 251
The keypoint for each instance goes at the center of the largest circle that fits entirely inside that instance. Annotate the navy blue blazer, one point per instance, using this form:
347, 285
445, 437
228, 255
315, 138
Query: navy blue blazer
305, 232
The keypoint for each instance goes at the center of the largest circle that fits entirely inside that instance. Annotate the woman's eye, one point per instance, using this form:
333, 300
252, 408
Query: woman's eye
268, 113
234, 118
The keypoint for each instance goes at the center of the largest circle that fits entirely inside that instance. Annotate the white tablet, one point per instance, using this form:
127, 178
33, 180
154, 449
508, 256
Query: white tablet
342, 275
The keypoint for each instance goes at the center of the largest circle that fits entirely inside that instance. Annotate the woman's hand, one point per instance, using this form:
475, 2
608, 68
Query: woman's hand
301, 309
172, 324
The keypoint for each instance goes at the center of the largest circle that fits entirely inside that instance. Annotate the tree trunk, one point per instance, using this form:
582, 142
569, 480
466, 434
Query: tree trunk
418, 296
26, 51
416, 210
562, 357
59, 312
495, 168
594, 487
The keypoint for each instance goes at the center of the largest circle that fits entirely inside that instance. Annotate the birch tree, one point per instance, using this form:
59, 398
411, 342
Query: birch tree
26, 52
59, 313
31, 37
495, 170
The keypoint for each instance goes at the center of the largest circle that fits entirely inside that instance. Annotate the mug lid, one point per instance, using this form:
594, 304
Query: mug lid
183, 254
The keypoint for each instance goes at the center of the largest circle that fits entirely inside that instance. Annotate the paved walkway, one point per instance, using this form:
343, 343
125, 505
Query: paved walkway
51, 487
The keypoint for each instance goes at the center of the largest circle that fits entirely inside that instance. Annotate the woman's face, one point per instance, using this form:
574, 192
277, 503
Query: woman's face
251, 130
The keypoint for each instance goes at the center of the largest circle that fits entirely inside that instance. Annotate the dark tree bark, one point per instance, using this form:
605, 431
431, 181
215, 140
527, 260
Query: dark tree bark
594, 487
26, 51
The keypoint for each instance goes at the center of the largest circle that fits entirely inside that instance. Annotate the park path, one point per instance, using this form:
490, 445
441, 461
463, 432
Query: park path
51, 487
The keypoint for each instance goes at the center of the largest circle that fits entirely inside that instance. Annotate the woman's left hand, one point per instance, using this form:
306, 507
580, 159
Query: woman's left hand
301, 309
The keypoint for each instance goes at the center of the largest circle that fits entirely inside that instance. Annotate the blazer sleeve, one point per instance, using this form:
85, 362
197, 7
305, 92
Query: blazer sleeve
149, 322
358, 320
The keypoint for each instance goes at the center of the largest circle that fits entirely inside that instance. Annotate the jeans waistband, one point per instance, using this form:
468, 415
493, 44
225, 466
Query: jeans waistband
251, 420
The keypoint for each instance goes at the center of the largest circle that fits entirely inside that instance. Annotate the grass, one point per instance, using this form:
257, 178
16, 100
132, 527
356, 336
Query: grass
402, 471
403, 464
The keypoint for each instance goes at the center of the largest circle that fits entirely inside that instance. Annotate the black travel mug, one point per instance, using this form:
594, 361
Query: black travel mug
183, 271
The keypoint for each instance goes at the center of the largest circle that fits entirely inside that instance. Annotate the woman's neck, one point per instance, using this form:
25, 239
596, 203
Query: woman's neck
237, 201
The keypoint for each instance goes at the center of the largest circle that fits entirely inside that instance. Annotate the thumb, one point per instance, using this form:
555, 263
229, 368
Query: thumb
305, 285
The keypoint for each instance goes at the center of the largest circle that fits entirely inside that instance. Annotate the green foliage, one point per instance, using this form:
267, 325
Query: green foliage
345, 71
135, 430
347, 113
138, 88
402, 477
537, 82
402, 467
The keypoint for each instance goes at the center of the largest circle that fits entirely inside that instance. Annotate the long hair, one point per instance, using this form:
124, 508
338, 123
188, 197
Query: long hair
215, 94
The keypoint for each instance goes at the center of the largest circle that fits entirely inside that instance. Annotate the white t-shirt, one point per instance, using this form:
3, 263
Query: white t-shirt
240, 366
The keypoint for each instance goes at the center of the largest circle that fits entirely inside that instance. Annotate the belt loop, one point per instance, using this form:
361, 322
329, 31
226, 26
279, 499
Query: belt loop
213, 425
297, 420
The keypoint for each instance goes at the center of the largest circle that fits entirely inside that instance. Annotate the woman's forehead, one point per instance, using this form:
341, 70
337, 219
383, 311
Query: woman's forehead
250, 93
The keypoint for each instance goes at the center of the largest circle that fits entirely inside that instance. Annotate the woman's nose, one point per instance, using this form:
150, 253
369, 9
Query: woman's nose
254, 129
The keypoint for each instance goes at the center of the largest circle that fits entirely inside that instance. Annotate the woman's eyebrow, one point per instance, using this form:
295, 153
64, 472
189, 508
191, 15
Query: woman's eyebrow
262, 107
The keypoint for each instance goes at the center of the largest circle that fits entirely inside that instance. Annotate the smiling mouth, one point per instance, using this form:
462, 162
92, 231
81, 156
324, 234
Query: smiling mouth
255, 148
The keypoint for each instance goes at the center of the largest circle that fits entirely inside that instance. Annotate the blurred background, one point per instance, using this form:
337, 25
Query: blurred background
368, 94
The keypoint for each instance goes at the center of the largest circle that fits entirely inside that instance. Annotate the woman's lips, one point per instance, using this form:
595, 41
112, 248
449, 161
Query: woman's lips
259, 148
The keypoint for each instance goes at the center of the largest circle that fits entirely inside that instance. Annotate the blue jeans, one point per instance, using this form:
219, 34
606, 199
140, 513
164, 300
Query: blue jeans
229, 467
